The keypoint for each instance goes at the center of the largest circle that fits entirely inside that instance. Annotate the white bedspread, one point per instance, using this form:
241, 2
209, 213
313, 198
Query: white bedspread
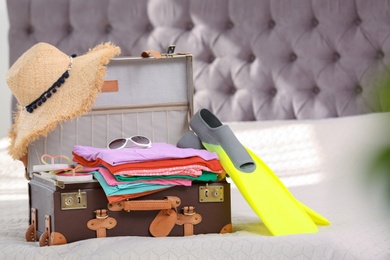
323, 162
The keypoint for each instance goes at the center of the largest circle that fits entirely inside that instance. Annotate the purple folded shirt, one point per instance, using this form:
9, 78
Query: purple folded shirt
158, 151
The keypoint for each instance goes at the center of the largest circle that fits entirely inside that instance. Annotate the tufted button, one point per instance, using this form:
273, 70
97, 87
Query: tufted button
358, 21
316, 90
273, 92
315, 22
380, 55
232, 90
30, 29
336, 56
69, 29
271, 24
293, 57
359, 90
229, 25
149, 27
251, 58
211, 58
108, 28
190, 26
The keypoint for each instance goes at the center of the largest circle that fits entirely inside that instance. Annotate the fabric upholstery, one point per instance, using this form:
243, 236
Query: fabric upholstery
253, 59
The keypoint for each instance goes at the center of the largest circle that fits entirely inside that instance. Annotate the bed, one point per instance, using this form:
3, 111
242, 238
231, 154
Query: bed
298, 82
326, 172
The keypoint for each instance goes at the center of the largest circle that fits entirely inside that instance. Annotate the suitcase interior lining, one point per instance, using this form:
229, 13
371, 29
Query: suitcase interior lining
147, 81
97, 129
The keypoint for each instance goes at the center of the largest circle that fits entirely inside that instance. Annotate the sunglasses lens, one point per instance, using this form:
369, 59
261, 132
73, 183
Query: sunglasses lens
141, 140
118, 143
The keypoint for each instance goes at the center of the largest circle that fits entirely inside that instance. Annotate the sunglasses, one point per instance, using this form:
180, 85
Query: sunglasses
136, 140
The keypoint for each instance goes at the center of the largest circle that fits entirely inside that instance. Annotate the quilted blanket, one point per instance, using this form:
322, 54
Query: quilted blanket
327, 164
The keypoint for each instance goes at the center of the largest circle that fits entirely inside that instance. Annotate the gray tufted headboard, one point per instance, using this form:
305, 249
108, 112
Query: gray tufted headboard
253, 59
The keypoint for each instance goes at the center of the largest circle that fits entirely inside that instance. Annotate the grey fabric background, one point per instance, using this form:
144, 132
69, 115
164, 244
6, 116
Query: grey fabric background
253, 59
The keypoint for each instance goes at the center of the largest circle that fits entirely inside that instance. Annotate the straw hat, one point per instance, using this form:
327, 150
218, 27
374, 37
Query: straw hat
51, 87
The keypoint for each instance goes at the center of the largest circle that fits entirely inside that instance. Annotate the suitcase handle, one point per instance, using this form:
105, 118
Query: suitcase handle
171, 202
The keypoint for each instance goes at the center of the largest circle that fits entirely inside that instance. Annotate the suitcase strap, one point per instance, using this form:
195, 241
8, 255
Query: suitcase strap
166, 218
171, 202
31, 233
101, 223
188, 219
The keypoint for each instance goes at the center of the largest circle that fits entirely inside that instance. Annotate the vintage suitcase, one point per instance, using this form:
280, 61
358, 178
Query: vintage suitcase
64, 213
151, 97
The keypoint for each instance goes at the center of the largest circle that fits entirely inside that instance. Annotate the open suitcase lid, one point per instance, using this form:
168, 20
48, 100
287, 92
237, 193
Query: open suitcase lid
147, 96
144, 82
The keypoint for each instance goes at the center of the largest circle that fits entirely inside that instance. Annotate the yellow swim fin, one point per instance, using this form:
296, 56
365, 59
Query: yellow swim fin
278, 210
281, 213
190, 140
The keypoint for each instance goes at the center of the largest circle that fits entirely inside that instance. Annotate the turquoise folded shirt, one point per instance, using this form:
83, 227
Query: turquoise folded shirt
206, 176
124, 189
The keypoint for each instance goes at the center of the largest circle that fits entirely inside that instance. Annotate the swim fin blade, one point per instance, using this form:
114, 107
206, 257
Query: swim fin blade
315, 216
281, 213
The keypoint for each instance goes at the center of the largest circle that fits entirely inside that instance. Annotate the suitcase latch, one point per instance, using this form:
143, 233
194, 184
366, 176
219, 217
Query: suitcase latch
189, 210
74, 200
211, 193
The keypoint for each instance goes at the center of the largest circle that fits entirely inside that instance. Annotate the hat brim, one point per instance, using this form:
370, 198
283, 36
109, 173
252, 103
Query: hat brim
73, 99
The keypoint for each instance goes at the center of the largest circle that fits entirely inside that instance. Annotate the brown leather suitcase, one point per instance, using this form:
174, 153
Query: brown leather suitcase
63, 213
152, 97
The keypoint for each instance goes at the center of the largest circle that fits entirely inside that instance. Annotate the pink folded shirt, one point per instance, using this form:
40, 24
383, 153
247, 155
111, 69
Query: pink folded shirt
110, 179
189, 170
158, 151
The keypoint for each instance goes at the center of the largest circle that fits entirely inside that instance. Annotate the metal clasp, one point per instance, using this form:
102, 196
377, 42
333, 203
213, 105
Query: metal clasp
101, 214
74, 200
211, 193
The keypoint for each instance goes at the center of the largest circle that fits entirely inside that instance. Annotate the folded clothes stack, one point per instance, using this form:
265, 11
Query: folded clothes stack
135, 171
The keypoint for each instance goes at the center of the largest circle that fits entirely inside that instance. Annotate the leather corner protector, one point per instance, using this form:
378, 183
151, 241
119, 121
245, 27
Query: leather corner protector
228, 228
56, 238
30, 234
44, 239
